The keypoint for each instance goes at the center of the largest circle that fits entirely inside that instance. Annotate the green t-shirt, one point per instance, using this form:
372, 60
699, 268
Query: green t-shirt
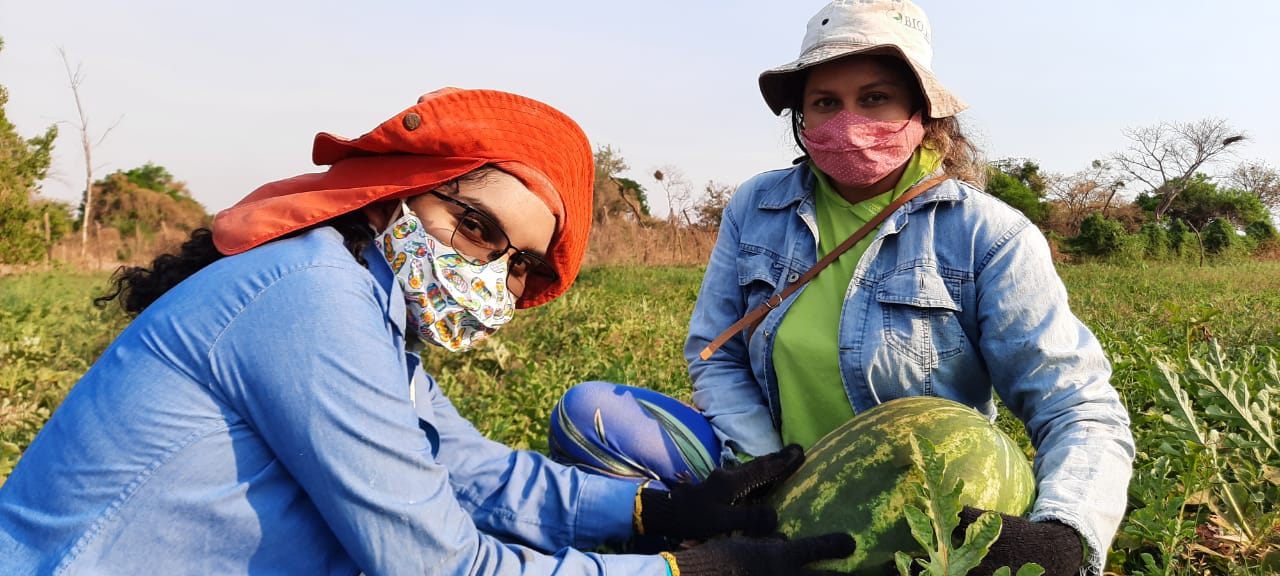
806, 350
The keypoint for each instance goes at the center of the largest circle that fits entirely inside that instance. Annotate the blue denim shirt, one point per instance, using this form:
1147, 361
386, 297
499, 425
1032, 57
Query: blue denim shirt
956, 297
257, 419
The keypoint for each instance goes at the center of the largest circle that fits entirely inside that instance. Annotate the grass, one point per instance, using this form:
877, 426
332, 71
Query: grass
1206, 489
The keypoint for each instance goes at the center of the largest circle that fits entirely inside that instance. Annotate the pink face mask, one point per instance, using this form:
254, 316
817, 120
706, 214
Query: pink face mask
859, 151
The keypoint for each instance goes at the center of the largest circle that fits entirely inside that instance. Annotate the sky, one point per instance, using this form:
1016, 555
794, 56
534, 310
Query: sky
227, 95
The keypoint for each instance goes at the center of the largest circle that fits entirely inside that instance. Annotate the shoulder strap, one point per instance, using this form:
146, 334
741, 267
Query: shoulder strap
755, 316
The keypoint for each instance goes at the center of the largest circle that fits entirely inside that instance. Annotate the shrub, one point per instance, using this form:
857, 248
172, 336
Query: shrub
1100, 236
1155, 241
1260, 231
1219, 235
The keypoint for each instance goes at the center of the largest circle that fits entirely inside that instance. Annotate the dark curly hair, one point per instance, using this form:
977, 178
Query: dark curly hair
136, 287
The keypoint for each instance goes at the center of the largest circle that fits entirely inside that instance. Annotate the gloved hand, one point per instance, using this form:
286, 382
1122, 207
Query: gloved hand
742, 556
726, 501
1051, 544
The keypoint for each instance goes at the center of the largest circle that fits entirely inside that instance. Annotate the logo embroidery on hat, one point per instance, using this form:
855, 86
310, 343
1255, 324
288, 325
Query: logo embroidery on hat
913, 23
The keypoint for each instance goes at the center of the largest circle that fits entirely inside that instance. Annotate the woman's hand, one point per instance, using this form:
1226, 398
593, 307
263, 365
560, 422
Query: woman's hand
774, 556
727, 501
1053, 545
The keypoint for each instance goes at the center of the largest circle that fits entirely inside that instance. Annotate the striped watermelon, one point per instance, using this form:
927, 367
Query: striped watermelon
853, 478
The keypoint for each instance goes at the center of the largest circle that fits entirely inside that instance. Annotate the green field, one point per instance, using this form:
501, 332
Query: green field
1194, 350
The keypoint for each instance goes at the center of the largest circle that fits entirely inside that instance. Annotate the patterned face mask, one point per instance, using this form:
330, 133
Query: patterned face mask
452, 303
859, 151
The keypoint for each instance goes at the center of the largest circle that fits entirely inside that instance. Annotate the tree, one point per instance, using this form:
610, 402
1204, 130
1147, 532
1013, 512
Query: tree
1026, 171
1011, 188
23, 164
613, 194
679, 193
1166, 156
1076, 196
145, 200
1260, 179
1202, 202
708, 211
75, 79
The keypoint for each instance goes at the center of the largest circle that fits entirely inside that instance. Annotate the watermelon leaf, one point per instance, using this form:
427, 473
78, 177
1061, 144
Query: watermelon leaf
1028, 569
932, 525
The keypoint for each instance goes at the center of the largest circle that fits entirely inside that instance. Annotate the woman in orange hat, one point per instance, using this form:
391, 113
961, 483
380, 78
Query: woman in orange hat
875, 268
265, 411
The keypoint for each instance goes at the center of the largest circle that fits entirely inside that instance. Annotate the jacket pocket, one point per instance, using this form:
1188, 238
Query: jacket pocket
758, 273
919, 309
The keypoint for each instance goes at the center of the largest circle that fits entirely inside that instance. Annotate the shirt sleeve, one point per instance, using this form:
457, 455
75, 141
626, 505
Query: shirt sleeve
724, 386
1053, 375
522, 495
316, 368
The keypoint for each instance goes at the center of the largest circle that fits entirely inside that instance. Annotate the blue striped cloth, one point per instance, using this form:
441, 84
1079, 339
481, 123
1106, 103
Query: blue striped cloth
631, 432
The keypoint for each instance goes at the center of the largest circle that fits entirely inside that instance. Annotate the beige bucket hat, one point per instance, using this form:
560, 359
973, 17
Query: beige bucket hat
847, 27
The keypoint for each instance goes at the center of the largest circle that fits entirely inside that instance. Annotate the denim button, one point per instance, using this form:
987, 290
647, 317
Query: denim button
792, 277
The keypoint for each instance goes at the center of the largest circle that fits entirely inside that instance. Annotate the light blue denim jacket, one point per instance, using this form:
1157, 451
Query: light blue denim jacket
257, 419
956, 296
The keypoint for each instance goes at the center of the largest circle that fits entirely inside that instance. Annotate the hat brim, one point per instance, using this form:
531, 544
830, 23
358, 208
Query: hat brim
448, 133
285, 206
779, 85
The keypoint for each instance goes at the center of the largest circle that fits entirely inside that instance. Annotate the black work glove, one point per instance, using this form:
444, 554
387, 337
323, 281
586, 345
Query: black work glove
728, 500
1051, 544
742, 556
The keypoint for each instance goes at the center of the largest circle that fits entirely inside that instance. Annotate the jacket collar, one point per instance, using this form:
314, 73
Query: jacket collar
386, 279
798, 183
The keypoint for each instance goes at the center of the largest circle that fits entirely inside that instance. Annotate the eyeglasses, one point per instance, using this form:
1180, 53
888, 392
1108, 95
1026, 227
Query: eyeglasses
478, 238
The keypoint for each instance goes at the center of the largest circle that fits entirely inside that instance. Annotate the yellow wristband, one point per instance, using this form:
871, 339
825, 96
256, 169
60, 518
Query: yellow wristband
672, 568
636, 523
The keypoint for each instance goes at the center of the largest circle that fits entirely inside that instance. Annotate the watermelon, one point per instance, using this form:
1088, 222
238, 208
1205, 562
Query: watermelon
854, 478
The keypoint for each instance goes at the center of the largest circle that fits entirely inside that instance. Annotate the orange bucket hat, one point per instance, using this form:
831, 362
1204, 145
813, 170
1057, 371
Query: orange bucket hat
448, 133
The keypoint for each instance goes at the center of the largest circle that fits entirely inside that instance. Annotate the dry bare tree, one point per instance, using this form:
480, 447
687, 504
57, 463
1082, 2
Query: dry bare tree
710, 208
1077, 195
1260, 179
76, 78
1165, 156
678, 190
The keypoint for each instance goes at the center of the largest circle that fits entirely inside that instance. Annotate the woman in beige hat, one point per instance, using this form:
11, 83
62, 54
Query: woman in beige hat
801, 323
266, 412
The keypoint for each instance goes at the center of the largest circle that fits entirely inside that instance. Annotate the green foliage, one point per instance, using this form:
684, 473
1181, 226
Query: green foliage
1219, 235
1193, 351
935, 515
1017, 193
1202, 201
614, 194
144, 200
617, 324
1181, 239
1206, 480
156, 178
1100, 236
49, 335
632, 188
1025, 171
23, 163
1261, 231
1155, 241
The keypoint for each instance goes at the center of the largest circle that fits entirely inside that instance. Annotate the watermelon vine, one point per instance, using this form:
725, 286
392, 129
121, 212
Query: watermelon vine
933, 522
